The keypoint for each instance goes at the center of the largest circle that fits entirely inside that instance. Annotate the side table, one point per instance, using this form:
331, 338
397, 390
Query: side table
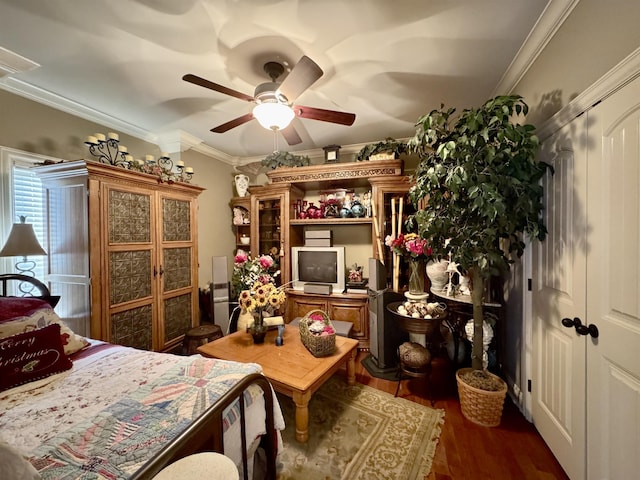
460, 308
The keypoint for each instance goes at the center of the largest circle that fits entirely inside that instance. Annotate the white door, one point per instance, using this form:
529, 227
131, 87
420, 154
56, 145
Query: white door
613, 286
559, 291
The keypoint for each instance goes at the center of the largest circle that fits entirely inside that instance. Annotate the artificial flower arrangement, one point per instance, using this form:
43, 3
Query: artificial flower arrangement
249, 272
262, 298
409, 246
318, 326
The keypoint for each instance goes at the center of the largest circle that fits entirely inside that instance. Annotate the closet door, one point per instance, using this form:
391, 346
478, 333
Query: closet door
613, 301
559, 291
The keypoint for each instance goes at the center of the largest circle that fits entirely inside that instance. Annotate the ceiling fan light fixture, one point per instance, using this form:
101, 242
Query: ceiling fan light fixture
273, 115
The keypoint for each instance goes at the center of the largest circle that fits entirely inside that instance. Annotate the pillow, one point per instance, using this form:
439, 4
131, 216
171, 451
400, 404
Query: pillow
13, 307
41, 318
31, 356
14, 465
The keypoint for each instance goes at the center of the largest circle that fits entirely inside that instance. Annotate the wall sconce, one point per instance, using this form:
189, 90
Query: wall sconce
22, 242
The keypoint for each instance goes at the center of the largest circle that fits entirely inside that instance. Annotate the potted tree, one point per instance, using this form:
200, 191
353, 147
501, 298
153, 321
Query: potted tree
478, 183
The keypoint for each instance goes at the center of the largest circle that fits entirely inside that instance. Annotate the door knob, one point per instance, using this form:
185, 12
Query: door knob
591, 329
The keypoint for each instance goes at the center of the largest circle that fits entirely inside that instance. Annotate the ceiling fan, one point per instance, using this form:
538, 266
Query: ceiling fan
275, 101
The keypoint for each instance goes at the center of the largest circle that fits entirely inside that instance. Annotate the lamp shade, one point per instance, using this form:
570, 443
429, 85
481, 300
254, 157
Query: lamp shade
22, 241
273, 116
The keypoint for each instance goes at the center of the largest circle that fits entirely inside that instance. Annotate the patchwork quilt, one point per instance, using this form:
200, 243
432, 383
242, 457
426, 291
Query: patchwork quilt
114, 410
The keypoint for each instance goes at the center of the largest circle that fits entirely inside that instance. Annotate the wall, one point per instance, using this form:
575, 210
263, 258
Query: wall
593, 39
36, 128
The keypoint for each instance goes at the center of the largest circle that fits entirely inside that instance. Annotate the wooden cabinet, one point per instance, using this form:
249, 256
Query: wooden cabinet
275, 228
241, 207
135, 245
271, 212
343, 307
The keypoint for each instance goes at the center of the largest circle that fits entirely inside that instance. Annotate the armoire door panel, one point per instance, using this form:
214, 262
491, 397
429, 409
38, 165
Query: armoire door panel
176, 220
177, 317
129, 276
129, 217
176, 268
133, 327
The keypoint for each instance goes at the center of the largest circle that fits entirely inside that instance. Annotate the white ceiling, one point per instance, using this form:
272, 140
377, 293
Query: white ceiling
121, 63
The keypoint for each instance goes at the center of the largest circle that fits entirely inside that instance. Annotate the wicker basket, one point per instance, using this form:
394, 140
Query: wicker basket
318, 345
483, 407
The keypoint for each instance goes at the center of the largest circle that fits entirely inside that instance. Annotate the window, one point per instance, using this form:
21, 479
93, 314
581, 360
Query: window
22, 195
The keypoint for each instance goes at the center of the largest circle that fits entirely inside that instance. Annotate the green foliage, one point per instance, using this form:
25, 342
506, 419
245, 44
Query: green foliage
285, 159
479, 181
388, 145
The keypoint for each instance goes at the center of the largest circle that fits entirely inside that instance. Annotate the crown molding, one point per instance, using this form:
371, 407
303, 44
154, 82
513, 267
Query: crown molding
71, 107
552, 18
623, 73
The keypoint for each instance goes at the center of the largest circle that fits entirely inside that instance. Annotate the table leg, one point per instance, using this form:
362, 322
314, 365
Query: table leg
302, 415
351, 367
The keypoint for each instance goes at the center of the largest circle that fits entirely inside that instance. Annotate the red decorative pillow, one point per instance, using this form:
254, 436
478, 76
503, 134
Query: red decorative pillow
31, 356
13, 307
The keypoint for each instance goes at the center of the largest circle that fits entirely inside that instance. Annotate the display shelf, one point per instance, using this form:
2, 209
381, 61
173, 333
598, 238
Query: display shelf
332, 221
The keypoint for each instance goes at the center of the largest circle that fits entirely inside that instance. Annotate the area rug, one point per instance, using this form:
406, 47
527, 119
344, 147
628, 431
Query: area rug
358, 432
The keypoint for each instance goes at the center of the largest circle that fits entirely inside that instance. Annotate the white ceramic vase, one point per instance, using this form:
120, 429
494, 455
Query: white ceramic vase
242, 184
438, 275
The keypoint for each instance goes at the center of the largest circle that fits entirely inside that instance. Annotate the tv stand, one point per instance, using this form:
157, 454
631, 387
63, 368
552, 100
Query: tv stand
346, 307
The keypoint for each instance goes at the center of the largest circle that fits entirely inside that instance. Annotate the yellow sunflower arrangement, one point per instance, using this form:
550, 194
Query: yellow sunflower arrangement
262, 299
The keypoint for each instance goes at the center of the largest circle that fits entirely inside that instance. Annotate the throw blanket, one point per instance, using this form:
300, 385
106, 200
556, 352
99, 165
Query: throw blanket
115, 410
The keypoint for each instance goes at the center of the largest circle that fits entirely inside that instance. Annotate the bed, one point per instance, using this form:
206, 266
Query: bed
79, 408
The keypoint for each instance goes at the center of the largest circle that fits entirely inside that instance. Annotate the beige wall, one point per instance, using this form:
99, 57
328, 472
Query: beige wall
597, 36
35, 128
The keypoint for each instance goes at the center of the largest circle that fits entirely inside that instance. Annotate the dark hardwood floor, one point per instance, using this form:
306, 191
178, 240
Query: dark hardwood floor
512, 450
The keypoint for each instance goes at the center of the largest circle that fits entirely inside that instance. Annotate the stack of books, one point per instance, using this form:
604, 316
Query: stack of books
358, 287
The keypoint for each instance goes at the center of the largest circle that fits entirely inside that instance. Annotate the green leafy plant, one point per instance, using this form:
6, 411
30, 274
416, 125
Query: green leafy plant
285, 159
479, 184
387, 145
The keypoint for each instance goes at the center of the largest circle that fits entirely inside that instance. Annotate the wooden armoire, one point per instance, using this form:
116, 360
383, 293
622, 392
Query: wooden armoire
122, 253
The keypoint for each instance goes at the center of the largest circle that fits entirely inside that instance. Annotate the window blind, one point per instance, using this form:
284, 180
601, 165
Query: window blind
28, 201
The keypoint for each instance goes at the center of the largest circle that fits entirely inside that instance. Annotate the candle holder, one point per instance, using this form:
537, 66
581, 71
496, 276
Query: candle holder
107, 149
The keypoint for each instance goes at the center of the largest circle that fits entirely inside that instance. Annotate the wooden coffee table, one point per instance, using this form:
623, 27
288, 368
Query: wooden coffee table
291, 368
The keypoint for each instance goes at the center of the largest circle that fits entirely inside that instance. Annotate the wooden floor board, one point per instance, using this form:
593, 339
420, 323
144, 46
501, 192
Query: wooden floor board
512, 450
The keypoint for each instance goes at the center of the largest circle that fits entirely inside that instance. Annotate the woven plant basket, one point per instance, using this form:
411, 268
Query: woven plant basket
483, 407
318, 345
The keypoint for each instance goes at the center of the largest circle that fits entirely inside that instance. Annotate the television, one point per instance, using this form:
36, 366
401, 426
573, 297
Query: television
323, 265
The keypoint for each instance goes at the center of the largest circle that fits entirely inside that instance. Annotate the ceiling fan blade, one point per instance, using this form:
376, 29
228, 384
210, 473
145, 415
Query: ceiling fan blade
324, 115
291, 136
225, 127
214, 86
303, 75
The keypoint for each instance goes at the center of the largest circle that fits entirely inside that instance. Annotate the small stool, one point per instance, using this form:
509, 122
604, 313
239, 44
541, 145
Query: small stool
205, 465
199, 336
415, 361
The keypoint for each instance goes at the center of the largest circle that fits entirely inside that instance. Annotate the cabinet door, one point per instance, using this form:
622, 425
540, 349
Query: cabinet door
266, 230
177, 269
130, 258
354, 311
301, 305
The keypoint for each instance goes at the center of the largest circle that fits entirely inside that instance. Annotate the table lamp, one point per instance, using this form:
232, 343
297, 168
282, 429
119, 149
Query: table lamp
22, 242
